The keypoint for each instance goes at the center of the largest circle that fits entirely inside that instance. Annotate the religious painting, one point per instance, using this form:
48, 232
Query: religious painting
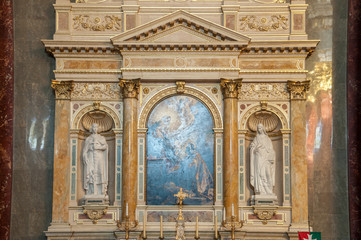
180, 149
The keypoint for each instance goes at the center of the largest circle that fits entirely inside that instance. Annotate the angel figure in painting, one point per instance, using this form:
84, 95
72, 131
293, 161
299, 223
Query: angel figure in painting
95, 159
262, 163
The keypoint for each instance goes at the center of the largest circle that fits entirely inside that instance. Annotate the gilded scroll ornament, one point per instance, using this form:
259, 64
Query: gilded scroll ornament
106, 23
231, 88
95, 212
99, 91
266, 91
264, 24
298, 89
62, 89
264, 213
130, 87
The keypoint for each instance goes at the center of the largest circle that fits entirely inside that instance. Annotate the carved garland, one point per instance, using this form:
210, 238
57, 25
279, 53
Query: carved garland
171, 91
264, 24
107, 23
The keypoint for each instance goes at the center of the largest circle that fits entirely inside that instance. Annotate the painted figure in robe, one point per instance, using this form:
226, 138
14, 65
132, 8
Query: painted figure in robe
262, 163
95, 159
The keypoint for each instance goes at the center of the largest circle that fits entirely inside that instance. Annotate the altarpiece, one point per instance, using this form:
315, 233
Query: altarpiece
156, 97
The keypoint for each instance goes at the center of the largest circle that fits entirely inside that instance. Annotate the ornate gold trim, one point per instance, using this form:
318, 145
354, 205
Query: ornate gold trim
179, 69
231, 88
130, 88
264, 23
171, 91
95, 212
257, 108
264, 213
89, 71
62, 89
96, 23
180, 86
298, 89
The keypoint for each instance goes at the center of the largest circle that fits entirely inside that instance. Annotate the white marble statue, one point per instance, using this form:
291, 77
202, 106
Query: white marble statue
262, 163
95, 159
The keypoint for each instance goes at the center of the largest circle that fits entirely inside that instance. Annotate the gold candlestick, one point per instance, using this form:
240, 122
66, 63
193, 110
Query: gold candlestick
127, 226
197, 233
233, 225
161, 228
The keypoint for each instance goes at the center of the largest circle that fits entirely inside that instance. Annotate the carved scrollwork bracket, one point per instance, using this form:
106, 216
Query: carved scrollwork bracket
231, 88
62, 89
130, 88
298, 89
265, 213
95, 212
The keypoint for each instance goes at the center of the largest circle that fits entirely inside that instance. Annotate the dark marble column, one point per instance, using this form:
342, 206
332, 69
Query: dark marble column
6, 114
354, 115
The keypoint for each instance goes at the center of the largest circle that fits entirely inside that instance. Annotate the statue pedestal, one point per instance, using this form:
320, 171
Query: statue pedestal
268, 200
96, 200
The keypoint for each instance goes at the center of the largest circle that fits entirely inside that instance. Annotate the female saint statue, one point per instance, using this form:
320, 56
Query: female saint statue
95, 159
262, 163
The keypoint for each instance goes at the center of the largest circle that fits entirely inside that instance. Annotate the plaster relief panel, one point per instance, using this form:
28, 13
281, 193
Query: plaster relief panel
262, 24
97, 23
96, 91
264, 91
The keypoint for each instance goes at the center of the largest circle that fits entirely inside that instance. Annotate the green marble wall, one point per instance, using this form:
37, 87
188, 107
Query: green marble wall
326, 113
33, 120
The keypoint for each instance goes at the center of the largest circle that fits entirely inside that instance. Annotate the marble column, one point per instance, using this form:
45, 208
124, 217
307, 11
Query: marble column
354, 116
299, 192
6, 114
130, 90
61, 182
230, 90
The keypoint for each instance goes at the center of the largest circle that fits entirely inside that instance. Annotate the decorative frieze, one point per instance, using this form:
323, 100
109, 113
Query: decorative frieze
97, 23
298, 89
130, 88
62, 89
98, 91
231, 88
264, 91
264, 23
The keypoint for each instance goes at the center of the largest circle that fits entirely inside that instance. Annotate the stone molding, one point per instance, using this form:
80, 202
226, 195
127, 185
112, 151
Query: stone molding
298, 89
62, 89
231, 88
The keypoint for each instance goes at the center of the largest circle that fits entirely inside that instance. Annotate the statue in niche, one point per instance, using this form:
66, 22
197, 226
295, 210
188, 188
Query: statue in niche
262, 163
95, 159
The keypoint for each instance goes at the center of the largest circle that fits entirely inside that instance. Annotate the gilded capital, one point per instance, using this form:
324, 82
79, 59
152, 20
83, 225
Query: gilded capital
231, 88
62, 89
130, 87
298, 89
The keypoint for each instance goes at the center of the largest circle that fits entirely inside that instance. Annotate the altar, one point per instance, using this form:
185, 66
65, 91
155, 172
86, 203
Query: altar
180, 119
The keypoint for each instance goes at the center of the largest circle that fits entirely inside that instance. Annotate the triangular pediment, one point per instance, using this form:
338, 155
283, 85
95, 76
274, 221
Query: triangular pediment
180, 27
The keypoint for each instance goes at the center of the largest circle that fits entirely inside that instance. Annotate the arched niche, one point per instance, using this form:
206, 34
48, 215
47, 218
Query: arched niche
277, 129
188, 147
109, 125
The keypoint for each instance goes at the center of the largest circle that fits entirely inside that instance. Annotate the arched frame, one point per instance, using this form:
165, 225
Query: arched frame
285, 131
142, 130
74, 138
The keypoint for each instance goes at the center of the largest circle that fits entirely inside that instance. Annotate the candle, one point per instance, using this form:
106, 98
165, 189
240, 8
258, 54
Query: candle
215, 227
224, 214
161, 226
118, 217
232, 210
196, 226
136, 215
144, 230
126, 209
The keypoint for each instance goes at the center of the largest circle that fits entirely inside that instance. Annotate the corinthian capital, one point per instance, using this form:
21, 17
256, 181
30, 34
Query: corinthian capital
130, 87
298, 89
62, 89
231, 88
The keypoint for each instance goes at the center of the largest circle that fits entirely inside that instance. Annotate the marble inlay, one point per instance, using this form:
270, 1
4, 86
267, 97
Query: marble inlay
6, 114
